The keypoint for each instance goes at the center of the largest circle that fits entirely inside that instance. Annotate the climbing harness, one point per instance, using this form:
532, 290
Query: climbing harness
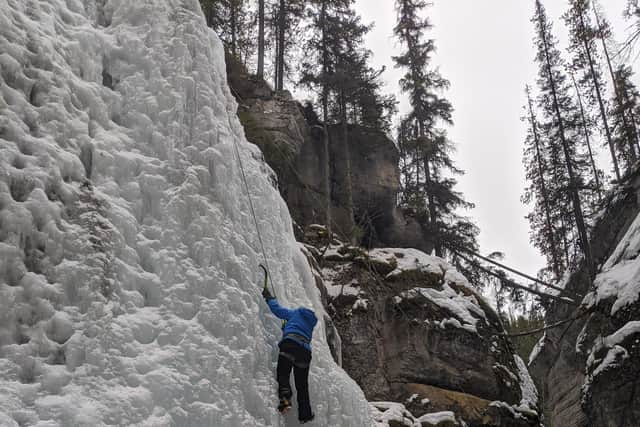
265, 267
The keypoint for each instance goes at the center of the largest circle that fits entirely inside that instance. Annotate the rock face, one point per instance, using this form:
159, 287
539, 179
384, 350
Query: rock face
413, 331
292, 140
588, 371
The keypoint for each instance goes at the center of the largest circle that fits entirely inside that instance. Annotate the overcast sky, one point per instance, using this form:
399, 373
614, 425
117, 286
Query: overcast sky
485, 50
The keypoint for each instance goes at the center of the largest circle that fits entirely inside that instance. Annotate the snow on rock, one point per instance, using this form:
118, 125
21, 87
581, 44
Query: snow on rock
407, 260
611, 347
391, 414
128, 256
619, 279
464, 307
388, 414
529, 401
438, 419
537, 349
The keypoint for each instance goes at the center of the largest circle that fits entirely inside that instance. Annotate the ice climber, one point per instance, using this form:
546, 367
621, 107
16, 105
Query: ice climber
295, 353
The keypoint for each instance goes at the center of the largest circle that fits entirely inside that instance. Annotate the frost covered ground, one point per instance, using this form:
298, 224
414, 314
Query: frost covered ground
128, 261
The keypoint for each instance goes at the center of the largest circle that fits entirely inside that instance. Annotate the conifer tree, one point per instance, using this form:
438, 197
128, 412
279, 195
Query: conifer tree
625, 130
586, 126
424, 142
582, 44
561, 126
336, 67
261, 45
541, 218
626, 116
287, 16
230, 20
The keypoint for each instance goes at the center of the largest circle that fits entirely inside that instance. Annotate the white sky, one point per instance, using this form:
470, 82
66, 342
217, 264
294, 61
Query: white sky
485, 49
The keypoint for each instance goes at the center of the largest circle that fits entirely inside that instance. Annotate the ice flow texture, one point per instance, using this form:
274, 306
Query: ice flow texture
128, 257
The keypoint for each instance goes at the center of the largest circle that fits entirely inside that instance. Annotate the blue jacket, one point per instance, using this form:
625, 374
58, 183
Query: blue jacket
300, 321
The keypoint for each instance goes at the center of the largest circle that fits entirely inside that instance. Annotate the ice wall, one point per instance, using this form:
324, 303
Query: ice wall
128, 257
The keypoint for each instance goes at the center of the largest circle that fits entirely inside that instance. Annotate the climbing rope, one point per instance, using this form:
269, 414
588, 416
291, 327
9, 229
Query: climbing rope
255, 218
546, 328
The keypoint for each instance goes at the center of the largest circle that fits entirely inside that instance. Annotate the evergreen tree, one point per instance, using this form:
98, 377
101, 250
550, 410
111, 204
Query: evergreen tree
230, 19
625, 130
336, 68
529, 321
287, 18
261, 44
582, 44
542, 217
586, 126
429, 184
625, 116
561, 126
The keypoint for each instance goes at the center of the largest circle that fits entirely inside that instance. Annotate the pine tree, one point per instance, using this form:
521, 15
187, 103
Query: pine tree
425, 143
627, 117
562, 127
582, 44
336, 67
586, 126
230, 20
625, 130
287, 15
261, 32
541, 218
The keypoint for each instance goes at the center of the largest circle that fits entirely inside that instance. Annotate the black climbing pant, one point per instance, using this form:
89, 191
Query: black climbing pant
296, 357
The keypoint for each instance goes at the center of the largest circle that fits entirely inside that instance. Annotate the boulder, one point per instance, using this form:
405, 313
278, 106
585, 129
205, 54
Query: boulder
414, 331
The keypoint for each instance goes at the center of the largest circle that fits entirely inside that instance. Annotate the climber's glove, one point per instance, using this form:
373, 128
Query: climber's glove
266, 294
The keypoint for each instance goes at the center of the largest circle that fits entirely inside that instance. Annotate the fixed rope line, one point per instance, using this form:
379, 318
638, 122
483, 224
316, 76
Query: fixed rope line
546, 328
526, 276
510, 283
253, 214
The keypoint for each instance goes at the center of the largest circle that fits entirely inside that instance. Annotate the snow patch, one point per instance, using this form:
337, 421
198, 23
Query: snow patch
464, 307
620, 275
529, 402
437, 418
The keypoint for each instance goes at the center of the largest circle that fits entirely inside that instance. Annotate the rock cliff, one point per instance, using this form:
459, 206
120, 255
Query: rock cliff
413, 331
291, 139
588, 370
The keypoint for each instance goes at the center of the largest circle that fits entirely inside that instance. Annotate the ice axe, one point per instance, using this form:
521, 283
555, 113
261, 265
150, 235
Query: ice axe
266, 276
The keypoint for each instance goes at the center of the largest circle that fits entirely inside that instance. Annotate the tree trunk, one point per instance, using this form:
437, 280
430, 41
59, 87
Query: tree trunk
325, 118
234, 29
603, 111
588, 140
545, 197
260, 73
281, 40
433, 212
208, 13
347, 189
575, 197
631, 133
277, 55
